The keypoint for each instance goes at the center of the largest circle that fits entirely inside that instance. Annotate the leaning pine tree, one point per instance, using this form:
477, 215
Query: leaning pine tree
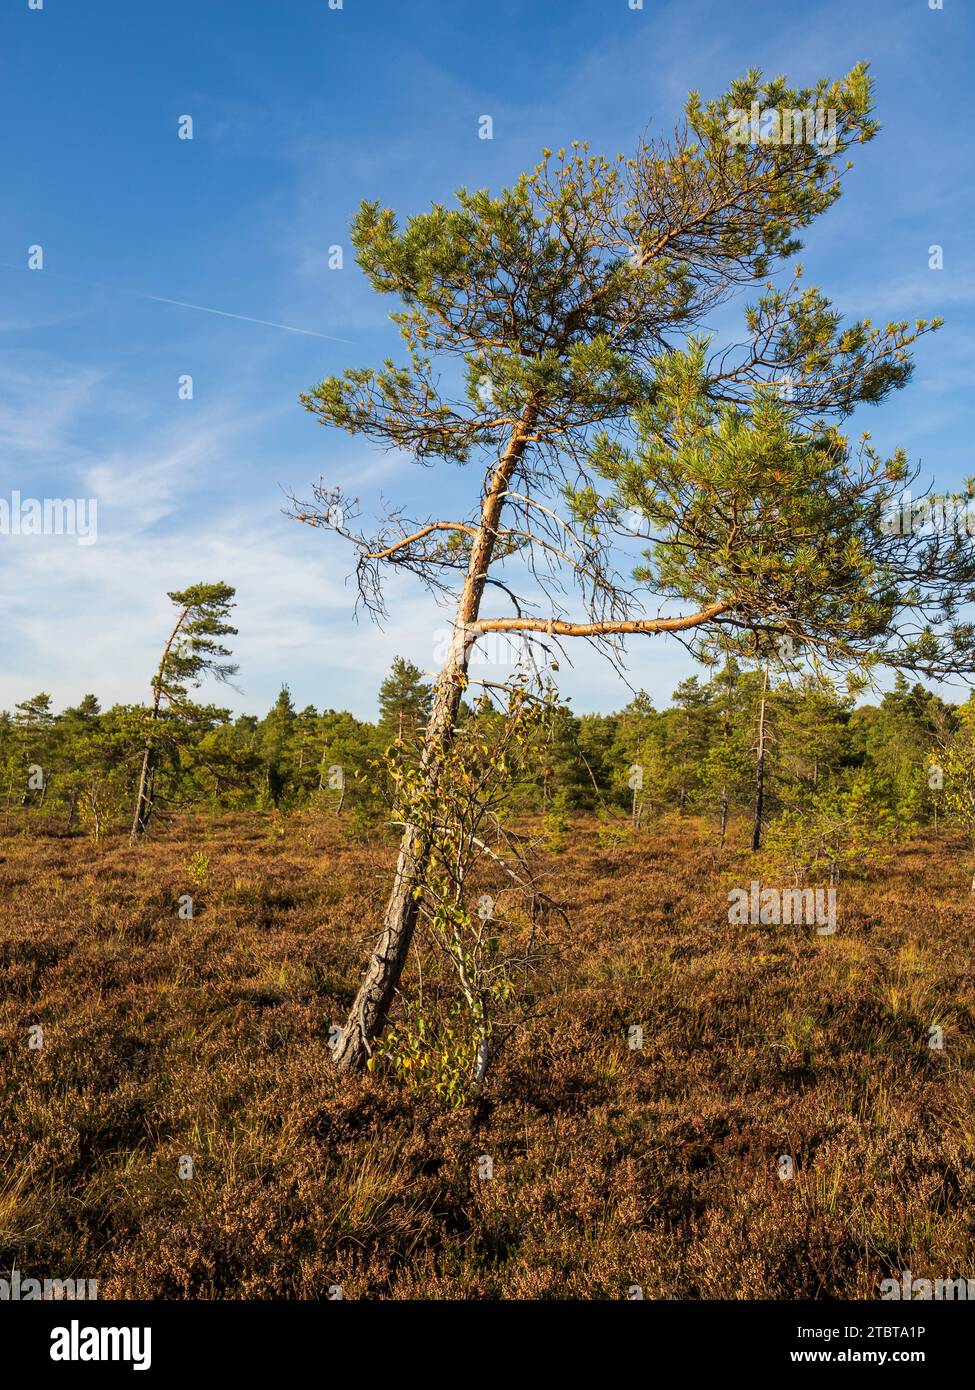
555, 342
191, 651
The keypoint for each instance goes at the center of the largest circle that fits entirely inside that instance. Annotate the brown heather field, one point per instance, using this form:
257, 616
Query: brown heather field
612, 1166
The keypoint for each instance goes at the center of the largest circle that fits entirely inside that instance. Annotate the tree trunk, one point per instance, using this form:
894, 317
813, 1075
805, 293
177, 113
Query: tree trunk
143, 801
368, 1014
760, 769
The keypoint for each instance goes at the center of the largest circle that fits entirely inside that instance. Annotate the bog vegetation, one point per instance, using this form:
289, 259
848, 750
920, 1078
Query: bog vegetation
133, 1039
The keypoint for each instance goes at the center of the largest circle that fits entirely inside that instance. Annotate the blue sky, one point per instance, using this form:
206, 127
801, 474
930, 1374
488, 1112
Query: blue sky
299, 112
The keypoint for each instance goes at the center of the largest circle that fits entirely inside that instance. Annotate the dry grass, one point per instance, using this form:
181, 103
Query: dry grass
208, 1038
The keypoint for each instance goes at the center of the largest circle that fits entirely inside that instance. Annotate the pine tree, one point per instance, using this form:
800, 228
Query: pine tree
812, 735
192, 651
77, 742
896, 737
727, 773
404, 700
687, 731
276, 742
572, 305
951, 768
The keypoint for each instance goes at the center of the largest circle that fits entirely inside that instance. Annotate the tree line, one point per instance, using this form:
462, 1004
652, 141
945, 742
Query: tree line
733, 742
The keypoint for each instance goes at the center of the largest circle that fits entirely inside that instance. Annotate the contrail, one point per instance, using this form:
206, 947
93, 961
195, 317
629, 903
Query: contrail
244, 318
184, 304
